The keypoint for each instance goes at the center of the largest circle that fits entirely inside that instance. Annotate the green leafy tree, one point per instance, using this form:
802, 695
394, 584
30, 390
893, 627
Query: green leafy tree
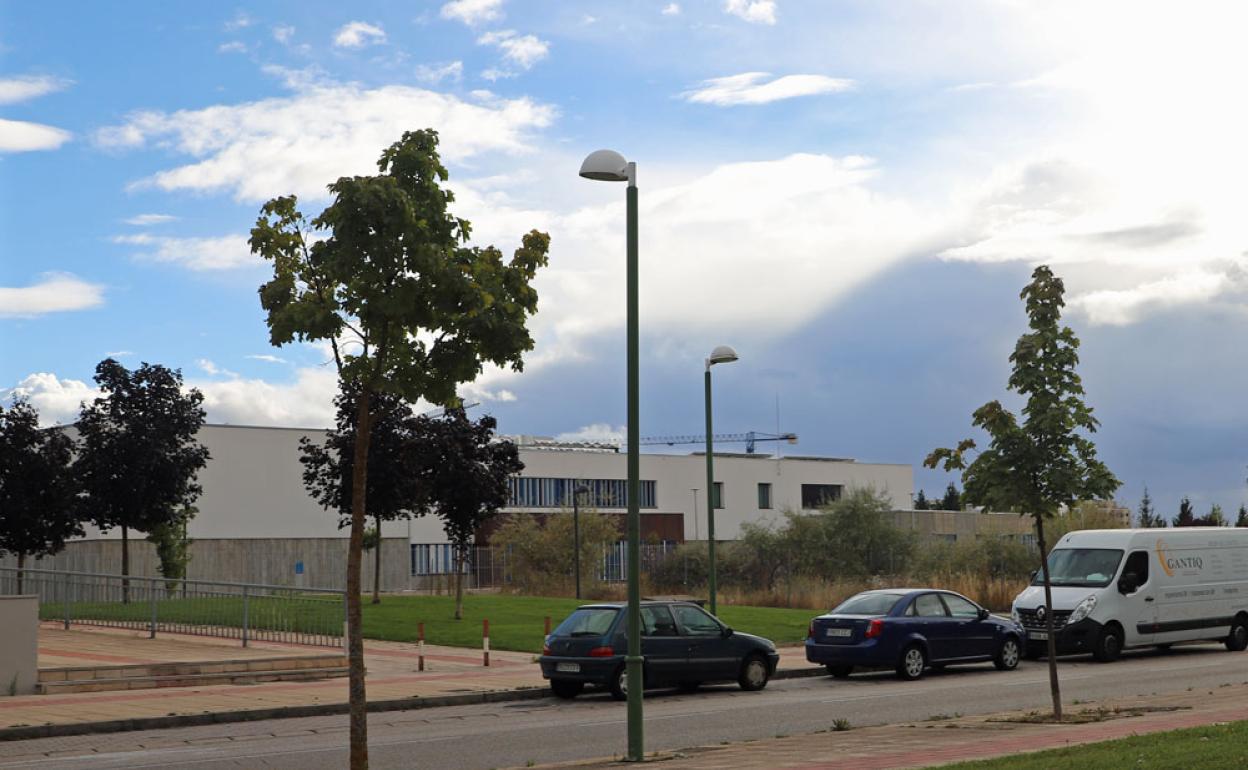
396, 466
417, 311
1187, 514
952, 501
920, 501
37, 487
1215, 517
1147, 517
468, 484
1242, 519
138, 452
173, 546
1047, 460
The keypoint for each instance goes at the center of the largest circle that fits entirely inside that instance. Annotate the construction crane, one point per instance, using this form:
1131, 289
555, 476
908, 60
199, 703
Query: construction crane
721, 438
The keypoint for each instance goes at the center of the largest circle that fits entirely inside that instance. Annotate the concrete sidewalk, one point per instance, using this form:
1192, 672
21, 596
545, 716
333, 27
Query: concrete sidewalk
932, 743
452, 676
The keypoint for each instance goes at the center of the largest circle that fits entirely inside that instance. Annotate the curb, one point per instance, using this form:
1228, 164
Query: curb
294, 712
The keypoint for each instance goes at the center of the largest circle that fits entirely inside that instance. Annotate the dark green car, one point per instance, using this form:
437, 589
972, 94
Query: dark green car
683, 646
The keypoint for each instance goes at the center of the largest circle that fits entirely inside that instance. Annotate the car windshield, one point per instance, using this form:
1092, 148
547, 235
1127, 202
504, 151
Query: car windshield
867, 604
588, 621
1084, 567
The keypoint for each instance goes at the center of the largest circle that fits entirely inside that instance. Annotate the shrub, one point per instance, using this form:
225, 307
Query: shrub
541, 555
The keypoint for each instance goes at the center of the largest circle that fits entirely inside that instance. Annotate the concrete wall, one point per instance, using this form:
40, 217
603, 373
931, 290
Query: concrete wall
19, 644
248, 560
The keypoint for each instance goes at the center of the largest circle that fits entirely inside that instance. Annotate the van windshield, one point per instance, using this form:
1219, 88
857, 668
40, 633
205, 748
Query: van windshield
1083, 567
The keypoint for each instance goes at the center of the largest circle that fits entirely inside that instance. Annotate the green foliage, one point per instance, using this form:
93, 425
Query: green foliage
37, 485
540, 554
996, 556
1216, 517
1148, 517
952, 501
173, 547
1242, 519
920, 502
1187, 514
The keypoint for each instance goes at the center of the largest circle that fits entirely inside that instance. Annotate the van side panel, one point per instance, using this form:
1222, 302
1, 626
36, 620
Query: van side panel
1203, 584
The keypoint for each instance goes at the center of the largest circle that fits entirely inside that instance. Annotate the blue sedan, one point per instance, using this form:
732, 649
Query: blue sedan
910, 630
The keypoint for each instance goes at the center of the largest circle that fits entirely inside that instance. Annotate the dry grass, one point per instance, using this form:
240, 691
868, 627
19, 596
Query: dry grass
996, 594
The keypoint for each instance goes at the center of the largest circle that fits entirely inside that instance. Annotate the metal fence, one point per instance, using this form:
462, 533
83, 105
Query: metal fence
244, 611
491, 567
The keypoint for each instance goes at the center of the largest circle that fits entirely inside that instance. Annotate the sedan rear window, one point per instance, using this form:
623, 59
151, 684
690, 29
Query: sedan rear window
587, 621
867, 604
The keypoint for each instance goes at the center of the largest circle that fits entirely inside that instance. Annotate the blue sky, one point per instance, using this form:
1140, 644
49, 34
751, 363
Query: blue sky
850, 193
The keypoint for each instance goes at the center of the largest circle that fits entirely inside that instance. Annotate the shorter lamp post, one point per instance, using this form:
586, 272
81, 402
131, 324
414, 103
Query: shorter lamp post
581, 489
720, 355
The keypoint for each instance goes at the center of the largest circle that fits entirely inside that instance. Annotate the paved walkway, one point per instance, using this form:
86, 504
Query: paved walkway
392, 675
927, 744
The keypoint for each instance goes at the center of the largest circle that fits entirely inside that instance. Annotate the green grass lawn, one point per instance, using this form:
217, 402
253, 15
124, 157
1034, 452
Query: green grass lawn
1214, 747
517, 622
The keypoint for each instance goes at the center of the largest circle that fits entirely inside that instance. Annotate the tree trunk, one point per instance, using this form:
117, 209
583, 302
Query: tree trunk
377, 564
355, 629
459, 582
125, 564
1054, 688
21, 564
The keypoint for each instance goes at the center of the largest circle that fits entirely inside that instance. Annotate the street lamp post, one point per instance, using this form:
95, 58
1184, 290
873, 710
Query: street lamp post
720, 355
610, 166
576, 532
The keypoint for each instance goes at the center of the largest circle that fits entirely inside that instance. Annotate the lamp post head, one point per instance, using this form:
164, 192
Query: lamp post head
609, 166
722, 354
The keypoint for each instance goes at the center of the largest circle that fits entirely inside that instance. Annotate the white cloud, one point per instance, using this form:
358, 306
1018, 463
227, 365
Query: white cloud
307, 402
240, 21
283, 33
20, 136
213, 370
234, 46
268, 358
599, 432
57, 401
24, 87
301, 143
473, 12
751, 88
494, 74
119, 353
522, 50
357, 34
200, 254
753, 11
144, 220
1124, 306
54, 293
671, 9
436, 73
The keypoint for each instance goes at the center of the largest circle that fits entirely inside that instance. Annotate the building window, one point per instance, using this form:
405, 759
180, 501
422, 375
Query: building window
543, 492
819, 495
433, 559
717, 495
764, 496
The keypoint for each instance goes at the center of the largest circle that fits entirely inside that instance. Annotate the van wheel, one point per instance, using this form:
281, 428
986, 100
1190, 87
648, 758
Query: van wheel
1237, 641
1007, 655
1108, 645
839, 671
754, 674
911, 663
566, 688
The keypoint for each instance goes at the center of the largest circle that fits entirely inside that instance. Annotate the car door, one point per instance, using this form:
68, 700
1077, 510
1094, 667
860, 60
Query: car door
665, 649
931, 619
969, 635
711, 655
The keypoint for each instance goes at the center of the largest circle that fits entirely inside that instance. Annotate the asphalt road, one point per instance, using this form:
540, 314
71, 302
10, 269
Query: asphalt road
515, 734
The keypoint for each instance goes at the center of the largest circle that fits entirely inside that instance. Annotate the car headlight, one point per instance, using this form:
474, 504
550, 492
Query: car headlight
1082, 610
1015, 616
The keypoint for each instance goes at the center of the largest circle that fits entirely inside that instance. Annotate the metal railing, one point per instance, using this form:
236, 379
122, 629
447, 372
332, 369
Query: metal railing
490, 568
244, 611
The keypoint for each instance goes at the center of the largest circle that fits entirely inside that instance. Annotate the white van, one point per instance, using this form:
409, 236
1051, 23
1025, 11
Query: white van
1120, 588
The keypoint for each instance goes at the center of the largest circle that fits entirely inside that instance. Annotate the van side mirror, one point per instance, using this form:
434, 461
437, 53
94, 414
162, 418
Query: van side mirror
1031, 577
1129, 583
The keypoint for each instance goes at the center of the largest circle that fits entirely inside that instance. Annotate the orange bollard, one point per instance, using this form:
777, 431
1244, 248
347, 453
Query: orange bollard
420, 647
547, 625
485, 639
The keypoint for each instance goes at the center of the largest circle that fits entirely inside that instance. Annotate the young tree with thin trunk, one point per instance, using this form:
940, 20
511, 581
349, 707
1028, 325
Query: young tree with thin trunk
138, 451
1046, 461
405, 306
469, 482
37, 487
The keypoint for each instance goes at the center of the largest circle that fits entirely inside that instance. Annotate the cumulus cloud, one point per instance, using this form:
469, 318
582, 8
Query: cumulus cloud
1119, 307
753, 88
307, 402
599, 432
144, 220
58, 401
21, 136
199, 254
54, 293
436, 73
753, 11
240, 21
671, 9
303, 142
521, 50
283, 33
234, 46
25, 87
357, 34
473, 12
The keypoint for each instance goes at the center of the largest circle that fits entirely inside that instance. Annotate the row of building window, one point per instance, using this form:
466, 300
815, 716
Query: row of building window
544, 492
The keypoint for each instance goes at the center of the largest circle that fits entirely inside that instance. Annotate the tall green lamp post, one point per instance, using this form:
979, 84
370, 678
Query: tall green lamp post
610, 166
720, 355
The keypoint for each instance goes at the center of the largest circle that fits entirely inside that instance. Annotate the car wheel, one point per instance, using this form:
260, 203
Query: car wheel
688, 686
839, 671
1108, 645
619, 683
1237, 640
754, 673
911, 663
1007, 655
566, 688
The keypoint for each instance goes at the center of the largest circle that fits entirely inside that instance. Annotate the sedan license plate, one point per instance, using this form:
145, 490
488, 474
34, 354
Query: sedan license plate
1038, 635
839, 632
568, 668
